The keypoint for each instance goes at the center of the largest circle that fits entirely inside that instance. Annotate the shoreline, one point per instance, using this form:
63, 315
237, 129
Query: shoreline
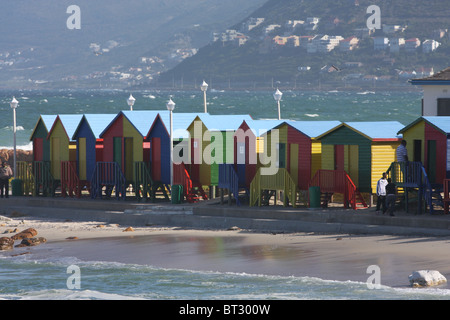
328, 256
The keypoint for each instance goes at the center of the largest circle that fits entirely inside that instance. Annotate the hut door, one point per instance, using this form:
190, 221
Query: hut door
56, 158
281, 155
128, 157
82, 158
417, 151
156, 159
117, 151
38, 149
293, 162
431, 161
339, 158
241, 161
353, 164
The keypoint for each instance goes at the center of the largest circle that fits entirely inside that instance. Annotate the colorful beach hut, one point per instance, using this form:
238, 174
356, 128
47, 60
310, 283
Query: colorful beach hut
211, 144
89, 146
248, 146
364, 150
159, 138
299, 151
427, 142
62, 147
41, 146
123, 140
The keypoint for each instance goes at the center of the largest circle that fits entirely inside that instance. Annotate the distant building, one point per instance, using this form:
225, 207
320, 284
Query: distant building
363, 33
436, 93
391, 29
292, 25
412, 44
380, 43
430, 45
311, 23
396, 44
353, 64
348, 44
251, 23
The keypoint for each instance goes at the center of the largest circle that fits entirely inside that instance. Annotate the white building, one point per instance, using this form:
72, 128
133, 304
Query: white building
436, 93
311, 23
430, 45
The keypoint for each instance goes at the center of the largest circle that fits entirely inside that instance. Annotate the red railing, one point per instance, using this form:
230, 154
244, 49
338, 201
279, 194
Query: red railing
70, 183
181, 177
337, 181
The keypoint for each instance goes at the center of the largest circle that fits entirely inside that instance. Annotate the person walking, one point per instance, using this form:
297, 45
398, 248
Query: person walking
391, 196
5, 174
381, 193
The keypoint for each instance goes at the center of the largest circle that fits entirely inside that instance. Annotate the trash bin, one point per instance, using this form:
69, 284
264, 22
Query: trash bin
16, 187
177, 194
314, 197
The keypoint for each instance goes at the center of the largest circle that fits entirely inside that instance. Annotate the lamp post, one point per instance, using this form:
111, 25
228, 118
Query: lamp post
204, 87
14, 103
277, 96
131, 100
170, 106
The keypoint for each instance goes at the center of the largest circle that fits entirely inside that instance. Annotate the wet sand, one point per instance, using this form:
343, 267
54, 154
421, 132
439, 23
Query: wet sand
327, 256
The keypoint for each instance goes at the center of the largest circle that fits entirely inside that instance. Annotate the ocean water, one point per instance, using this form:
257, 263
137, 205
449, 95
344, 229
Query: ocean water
43, 274
404, 107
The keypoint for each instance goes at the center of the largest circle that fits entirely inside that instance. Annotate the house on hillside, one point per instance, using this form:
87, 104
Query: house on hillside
412, 44
430, 45
348, 44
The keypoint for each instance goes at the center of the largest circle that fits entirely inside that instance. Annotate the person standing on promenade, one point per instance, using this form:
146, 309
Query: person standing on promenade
5, 174
402, 152
381, 193
391, 196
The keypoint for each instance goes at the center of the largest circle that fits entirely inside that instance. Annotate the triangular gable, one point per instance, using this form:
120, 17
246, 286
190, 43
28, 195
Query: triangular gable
96, 123
181, 121
46, 120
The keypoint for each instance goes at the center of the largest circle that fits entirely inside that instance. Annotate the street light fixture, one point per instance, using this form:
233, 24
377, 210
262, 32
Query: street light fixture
131, 100
277, 96
14, 103
170, 106
204, 87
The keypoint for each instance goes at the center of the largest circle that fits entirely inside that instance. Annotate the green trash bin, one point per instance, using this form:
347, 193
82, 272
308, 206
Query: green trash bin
17, 187
177, 194
314, 197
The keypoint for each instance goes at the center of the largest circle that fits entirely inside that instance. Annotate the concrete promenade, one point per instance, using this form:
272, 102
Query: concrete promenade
211, 215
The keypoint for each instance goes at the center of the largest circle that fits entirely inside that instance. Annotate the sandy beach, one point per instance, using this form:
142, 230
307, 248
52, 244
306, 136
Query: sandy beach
327, 256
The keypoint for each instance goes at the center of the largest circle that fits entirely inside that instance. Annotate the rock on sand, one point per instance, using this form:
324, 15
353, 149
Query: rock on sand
426, 278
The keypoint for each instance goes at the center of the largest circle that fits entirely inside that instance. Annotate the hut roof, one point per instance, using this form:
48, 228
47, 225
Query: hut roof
229, 122
180, 122
69, 122
96, 122
313, 129
373, 130
441, 123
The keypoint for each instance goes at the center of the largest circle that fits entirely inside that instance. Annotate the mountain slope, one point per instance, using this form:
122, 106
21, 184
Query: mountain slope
37, 43
257, 60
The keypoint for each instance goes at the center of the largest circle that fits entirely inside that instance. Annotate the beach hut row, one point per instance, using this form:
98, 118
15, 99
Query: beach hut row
108, 152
